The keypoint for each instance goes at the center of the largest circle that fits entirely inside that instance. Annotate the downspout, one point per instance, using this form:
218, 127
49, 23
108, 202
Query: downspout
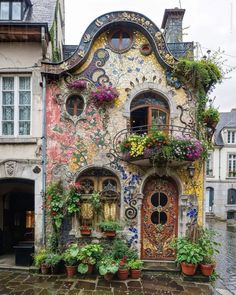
44, 162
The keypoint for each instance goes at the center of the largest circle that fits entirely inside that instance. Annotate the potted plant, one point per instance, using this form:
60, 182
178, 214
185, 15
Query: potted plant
40, 260
88, 256
209, 248
85, 230
211, 117
135, 268
123, 271
73, 199
110, 227
104, 94
108, 267
53, 260
71, 260
189, 254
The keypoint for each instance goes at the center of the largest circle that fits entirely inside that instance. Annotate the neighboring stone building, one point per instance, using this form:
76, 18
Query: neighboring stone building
30, 31
221, 169
127, 51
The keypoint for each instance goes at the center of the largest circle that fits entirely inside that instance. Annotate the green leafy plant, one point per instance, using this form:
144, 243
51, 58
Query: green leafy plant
110, 225
53, 259
88, 254
73, 199
70, 256
187, 251
95, 200
108, 265
211, 116
209, 246
135, 264
40, 257
120, 249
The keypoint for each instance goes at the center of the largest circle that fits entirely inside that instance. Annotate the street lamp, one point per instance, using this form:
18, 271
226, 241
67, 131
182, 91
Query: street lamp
191, 170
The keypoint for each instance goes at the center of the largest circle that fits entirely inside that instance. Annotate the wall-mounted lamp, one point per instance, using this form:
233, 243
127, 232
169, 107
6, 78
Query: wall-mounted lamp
191, 170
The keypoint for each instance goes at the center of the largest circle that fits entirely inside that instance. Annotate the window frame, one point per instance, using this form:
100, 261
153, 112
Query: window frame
211, 165
230, 135
73, 96
228, 197
10, 12
16, 105
121, 31
228, 165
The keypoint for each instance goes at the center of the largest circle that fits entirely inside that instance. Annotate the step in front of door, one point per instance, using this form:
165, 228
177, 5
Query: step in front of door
162, 266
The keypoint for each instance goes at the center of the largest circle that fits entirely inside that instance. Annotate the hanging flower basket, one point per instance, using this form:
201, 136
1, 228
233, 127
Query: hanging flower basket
104, 94
78, 84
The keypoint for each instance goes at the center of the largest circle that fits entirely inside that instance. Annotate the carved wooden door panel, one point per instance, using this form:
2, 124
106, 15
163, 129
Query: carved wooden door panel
159, 219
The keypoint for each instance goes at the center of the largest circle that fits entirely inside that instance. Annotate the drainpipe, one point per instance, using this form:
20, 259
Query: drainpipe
44, 161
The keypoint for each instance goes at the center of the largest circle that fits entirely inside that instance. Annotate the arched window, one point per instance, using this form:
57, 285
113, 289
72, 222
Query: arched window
120, 40
75, 105
231, 196
149, 109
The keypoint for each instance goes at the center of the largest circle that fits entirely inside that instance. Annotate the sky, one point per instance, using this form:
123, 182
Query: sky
210, 23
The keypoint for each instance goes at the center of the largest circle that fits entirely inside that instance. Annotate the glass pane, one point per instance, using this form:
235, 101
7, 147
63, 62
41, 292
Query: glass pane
7, 113
7, 128
24, 113
8, 98
75, 105
154, 200
8, 83
163, 217
155, 118
24, 97
4, 13
155, 217
125, 40
16, 10
115, 40
162, 117
163, 199
24, 128
24, 83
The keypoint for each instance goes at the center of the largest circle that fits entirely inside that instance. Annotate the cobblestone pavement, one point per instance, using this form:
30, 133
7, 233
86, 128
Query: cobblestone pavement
31, 284
226, 260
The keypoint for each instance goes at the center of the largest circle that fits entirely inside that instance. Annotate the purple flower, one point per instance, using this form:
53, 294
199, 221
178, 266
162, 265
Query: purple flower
78, 84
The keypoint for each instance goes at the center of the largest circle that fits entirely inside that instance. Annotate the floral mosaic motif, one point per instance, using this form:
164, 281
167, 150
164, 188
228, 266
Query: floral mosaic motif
131, 185
192, 213
172, 81
134, 235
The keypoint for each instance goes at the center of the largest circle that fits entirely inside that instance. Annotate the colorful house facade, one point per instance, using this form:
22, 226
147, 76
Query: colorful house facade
118, 125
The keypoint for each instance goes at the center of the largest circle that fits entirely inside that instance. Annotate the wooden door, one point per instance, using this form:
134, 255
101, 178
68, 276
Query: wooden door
159, 221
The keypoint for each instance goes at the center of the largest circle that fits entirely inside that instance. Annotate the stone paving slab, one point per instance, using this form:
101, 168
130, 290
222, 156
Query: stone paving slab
14, 283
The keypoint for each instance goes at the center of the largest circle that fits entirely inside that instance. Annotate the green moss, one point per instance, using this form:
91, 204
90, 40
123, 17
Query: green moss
56, 55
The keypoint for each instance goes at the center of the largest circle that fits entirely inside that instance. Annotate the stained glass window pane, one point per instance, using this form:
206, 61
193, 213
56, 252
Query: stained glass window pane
16, 10
4, 10
8, 113
24, 113
24, 97
24, 128
8, 128
8, 83
24, 83
8, 98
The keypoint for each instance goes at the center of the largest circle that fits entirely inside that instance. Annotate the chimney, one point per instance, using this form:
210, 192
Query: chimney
172, 25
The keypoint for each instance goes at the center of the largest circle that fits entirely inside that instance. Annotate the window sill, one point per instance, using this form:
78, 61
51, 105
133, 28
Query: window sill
18, 140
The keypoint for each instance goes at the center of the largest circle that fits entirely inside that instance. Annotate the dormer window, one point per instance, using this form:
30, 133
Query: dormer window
11, 10
231, 137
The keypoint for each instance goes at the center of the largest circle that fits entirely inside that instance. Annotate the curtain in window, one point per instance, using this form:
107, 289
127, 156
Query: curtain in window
24, 105
8, 106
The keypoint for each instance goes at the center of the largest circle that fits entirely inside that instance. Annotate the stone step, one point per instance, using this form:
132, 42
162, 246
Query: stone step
161, 266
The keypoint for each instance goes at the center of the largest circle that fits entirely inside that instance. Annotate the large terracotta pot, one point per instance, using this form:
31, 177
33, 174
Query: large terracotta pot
85, 232
135, 273
45, 269
110, 233
207, 269
188, 268
123, 274
71, 270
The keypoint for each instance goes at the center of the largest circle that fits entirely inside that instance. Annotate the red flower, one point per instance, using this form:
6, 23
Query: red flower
53, 213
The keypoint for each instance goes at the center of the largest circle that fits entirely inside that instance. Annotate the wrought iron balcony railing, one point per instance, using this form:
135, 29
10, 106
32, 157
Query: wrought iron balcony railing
171, 134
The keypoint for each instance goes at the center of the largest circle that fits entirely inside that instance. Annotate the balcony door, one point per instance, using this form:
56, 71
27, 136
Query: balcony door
148, 110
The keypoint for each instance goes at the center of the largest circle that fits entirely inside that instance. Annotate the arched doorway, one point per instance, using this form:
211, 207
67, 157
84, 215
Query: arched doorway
16, 213
159, 218
148, 109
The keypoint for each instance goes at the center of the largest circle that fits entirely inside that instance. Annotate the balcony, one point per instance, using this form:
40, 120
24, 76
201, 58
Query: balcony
161, 144
182, 49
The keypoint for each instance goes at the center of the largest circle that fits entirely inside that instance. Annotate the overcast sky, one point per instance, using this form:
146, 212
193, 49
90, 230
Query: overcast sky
212, 24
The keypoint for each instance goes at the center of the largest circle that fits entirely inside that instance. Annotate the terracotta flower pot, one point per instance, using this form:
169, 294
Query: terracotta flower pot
123, 274
85, 232
90, 269
45, 269
207, 269
71, 270
135, 273
188, 268
108, 276
110, 233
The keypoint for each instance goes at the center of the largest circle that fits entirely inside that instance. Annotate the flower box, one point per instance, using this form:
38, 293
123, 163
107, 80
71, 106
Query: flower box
104, 94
